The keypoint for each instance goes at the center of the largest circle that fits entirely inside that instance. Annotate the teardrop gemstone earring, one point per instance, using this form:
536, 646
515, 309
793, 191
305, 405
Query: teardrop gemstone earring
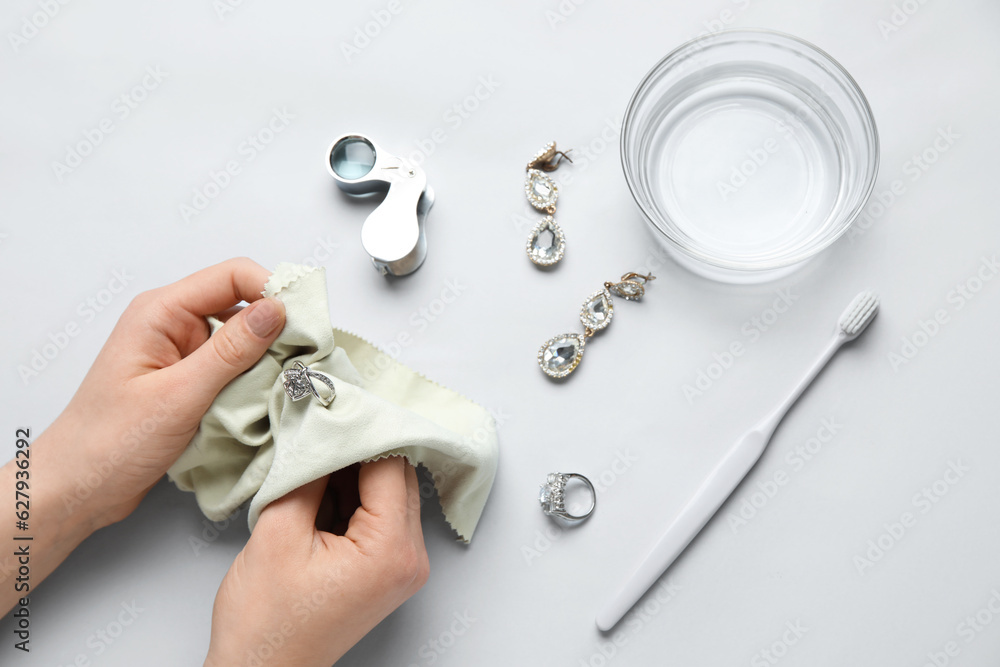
547, 243
560, 355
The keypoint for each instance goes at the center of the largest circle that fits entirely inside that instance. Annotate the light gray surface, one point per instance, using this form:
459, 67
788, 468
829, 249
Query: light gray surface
533, 596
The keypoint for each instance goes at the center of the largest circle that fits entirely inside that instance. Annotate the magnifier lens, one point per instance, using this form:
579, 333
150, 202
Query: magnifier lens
352, 157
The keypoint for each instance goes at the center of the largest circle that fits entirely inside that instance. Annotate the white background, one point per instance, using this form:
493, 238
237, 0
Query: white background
532, 590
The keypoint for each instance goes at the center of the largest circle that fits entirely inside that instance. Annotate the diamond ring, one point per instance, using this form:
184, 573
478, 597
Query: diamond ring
552, 496
298, 384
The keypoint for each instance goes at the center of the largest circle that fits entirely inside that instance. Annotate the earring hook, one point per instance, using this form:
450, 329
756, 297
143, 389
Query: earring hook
630, 287
549, 159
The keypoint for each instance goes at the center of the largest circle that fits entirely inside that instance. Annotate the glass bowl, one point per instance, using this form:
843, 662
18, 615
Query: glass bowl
749, 151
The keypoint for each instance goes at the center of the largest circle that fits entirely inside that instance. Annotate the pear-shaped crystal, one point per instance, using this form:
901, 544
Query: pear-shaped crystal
547, 243
540, 190
560, 355
597, 310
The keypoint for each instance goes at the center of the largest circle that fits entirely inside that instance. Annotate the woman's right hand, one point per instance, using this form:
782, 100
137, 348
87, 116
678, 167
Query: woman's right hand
298, 596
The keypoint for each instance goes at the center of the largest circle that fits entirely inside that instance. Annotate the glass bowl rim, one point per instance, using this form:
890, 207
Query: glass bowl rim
808, 251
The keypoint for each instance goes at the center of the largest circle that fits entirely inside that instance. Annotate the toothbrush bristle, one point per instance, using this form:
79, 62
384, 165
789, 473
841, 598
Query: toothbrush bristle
859, 314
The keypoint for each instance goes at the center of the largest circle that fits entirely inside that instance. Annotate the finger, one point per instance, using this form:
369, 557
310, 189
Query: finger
343, 495
326, 515
234, 348
413, 503
218, 287
382, 488
348, 499
189, 337
416, 530
228, 313
294, 514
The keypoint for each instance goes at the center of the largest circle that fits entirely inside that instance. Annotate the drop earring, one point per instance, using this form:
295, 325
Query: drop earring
560, 355
547, 243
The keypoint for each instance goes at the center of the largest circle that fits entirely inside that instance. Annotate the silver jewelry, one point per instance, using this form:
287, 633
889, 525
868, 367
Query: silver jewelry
393, 235
560, 355
298, 383
552, 496
547, 243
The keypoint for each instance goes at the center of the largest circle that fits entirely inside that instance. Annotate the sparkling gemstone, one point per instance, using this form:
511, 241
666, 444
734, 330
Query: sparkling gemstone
352, 158
541, 191
296, 389
546, 243
551, 494
629, 289
597, 310
544, 496
297, 384
560, 355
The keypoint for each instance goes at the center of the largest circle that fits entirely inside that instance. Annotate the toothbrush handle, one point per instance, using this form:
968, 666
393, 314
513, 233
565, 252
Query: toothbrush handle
718, 486
695, 514
770, 423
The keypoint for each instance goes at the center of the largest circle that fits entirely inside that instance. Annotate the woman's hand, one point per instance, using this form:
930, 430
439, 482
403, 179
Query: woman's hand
297, 596
141, 403
138, 407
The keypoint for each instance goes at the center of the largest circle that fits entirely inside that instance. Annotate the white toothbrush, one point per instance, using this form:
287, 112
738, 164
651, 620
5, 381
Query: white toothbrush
727, 474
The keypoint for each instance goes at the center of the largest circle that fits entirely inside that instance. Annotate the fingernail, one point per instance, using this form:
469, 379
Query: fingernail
265, 316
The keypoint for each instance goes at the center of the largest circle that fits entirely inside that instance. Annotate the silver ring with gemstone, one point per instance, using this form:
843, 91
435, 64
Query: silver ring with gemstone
552, 496
298, 384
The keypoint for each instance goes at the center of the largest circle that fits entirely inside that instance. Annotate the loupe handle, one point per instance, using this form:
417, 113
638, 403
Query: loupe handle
393, 233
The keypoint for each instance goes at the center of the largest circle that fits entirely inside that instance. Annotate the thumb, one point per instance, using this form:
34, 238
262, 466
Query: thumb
234, 348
